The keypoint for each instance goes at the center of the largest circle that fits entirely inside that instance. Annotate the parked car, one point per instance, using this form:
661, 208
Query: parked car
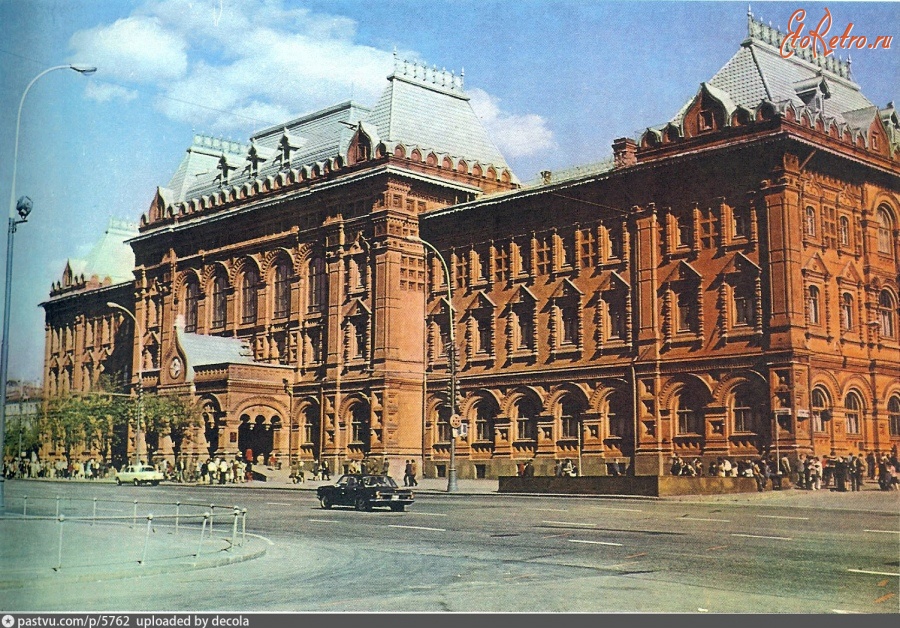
139, 474
364, 492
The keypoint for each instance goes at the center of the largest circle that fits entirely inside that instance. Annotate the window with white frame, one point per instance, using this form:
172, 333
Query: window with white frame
852, 410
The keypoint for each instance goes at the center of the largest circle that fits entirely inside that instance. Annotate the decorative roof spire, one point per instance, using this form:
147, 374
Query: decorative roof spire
758, 31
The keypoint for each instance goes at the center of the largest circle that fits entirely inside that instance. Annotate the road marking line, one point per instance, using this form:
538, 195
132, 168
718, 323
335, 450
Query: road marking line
759, 536
552, 509
417, 528
636, 555
324, 520
884, 598
428, 514
571, 523
278, 504
782, 517
842, 612
874, 573
699, 519
259, 536
883, 583
595, 542
716, 547
619, 509
884, 531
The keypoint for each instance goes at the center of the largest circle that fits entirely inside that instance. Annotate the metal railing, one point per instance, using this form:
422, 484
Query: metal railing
68, 511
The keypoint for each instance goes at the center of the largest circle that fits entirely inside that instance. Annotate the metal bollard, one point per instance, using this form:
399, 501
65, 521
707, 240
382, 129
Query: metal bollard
95, 511
202, 530
134, 516
25, 507
177, 512
212, 511
57, 505
143, 560
59, 552
235, 514
243, 526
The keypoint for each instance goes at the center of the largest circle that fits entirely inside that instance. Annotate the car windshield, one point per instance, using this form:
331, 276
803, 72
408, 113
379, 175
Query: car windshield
379, 480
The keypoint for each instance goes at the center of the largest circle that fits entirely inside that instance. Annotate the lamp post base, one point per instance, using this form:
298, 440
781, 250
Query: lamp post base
452, 486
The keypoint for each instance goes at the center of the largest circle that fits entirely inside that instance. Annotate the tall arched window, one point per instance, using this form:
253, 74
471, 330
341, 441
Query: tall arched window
744, 410
813, 305
360, 426
443, 424
282, 290
852, 410
219, 300
191, 303
688, 414
250, 296
571, 418
844, 231
821, 411
887, 308
885, 230
810, 223
527, 412
318, 286
894, 415
846, 311
485, 413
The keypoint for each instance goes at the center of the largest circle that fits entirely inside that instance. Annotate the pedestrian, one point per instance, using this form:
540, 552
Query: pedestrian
871, 464
529, 469
386, 467
840, 474
407, 474
413, 472
520, 469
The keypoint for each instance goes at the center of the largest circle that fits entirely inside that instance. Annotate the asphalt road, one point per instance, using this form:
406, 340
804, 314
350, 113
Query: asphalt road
513, 553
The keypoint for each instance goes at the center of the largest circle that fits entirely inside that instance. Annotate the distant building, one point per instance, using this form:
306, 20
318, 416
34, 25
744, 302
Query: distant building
727, 284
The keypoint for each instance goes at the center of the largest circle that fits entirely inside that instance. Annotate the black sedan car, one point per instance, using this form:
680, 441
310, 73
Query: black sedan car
365, 492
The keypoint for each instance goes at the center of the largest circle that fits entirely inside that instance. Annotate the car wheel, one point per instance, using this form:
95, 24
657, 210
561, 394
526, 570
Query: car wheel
118, 482
398, 507
155, 483
136, 483
324, 502
362, 504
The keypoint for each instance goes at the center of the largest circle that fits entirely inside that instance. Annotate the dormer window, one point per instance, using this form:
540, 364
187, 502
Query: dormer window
706, 120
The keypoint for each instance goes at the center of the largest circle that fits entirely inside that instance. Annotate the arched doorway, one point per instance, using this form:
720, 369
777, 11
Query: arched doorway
256, 437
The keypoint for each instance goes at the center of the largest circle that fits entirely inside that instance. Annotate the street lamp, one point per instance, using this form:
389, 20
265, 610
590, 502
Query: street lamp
451, 472
140, 379
20, 208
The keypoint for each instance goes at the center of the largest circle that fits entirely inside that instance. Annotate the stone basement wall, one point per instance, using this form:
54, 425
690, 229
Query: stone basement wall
647, 486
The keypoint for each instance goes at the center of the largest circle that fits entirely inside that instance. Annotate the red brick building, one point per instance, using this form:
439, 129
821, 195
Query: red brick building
726, 284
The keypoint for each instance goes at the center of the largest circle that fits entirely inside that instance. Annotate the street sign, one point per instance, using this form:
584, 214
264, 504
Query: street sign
782, 412
802, 413
455, 421
464, 430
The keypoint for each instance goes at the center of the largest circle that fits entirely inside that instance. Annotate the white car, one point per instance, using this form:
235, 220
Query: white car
139, 474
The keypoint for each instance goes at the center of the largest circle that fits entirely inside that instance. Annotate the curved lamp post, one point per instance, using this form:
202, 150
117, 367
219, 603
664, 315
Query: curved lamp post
451, 472
140, 379
18, 213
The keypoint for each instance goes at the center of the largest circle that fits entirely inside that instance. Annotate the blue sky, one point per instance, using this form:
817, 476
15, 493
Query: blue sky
554, 82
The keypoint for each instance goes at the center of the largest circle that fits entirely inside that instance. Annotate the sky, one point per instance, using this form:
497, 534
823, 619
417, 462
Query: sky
554, 82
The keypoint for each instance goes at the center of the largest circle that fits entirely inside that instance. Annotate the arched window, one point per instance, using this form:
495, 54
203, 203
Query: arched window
844, 231
688, 413
311, 427
887, 308
485, 413
571, 418
219, 300
616, 313
249, 296
744, 308
318, 286
443, 424
813, 305
619, 416
745, 410
687, 314
894, 415
282, 287
810, 223
852, 409
885, 230
360, 426
846, 311
527, 412
821, 411
191, 303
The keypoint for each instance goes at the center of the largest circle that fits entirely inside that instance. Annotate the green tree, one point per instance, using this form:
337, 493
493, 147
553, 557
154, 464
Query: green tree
169, 415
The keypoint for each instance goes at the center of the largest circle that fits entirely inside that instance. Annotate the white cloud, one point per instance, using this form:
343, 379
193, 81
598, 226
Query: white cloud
226, 66
103, 92
516, 135
134, 49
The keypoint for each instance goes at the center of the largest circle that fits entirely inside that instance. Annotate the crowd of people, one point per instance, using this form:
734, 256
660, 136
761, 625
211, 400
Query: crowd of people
32, 467
839, 473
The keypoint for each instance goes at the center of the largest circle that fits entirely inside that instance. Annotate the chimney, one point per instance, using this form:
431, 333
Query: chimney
624, 152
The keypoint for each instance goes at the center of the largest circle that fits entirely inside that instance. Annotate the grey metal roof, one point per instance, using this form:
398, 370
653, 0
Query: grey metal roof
201, 350
428, 108
110, 257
